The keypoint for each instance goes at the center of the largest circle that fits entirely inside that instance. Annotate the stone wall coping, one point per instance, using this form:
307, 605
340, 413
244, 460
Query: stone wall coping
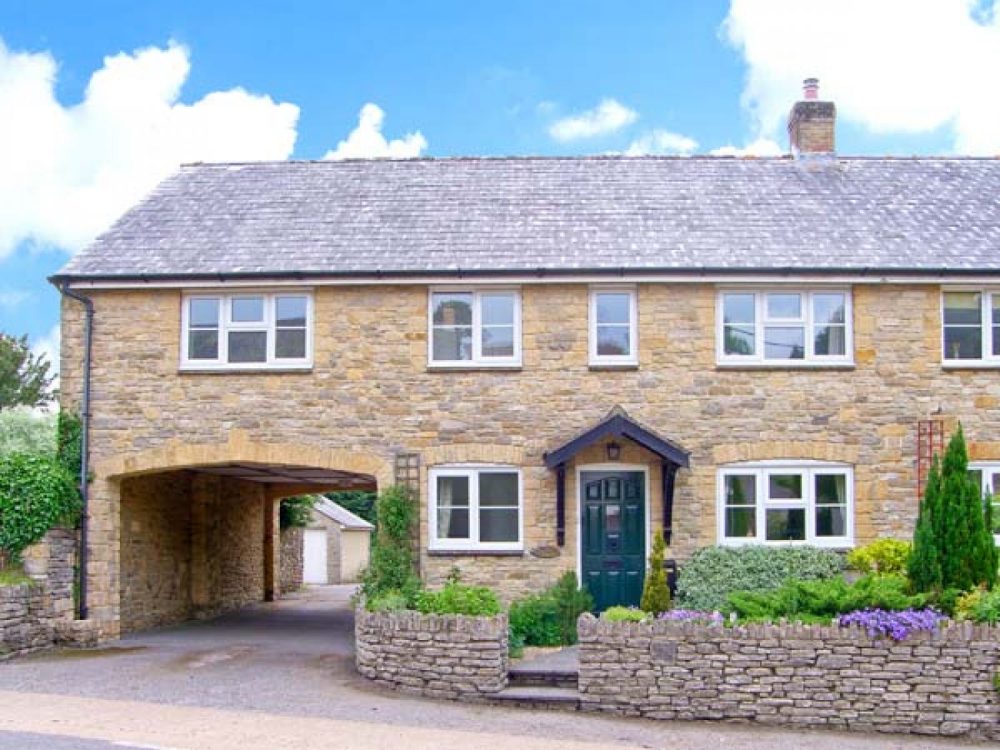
408, 620
590, 627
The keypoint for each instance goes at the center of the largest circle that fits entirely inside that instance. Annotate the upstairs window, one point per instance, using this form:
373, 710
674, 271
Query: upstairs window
987, 476
971, 327
613, 326
246, 331
790, 328
475, 328
775, 503
474, 508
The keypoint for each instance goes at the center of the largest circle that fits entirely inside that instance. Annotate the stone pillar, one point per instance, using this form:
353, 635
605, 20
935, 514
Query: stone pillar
204, 491
104, 585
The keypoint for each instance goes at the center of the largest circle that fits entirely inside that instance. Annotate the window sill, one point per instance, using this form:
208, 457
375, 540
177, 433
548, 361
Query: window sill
785, 365
475, 553
971, 364
263, 370
473, 367
605, 366
839, 545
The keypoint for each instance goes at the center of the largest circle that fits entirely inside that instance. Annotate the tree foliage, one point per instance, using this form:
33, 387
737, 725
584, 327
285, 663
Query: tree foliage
36, 493
656, 592
24, 430
953, 545
296, 512
25, 377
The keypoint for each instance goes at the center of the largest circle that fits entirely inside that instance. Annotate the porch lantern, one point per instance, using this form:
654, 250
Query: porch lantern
614, 451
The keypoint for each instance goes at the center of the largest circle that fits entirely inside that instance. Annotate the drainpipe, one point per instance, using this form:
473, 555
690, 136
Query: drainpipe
88, 337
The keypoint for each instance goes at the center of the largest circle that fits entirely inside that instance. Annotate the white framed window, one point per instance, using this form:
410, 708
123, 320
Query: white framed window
474, 328
614, 326
792, 502
246, 330
970, 328
784, 327
478, 508
987, 474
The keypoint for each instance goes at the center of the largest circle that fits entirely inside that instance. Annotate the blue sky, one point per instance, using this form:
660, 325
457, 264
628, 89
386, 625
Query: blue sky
445, 78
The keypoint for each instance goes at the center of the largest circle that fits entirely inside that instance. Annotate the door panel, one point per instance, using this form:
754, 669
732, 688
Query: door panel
314, 568
613, 537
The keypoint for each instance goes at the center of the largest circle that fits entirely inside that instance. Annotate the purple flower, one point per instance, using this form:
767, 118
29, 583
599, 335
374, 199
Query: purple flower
896, 625
692, 615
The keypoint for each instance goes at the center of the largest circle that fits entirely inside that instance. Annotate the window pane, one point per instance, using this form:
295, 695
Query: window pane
613, 307
741, 523
498, 525
831, 489
784, 306
829, 309
784, 343
247, 346
784, 486
831, 520
497, 309
452, 491
453, 309
612, 519
741, 489
452, 344
788, 524
498, 341
290, 312
497, 489
247, 309
203, 344
453, 523
613, 341
290, 343
963, 343
830, 340
738, 308
963, 308
996, 341
996, 308
203, 313
738, 339
994, 484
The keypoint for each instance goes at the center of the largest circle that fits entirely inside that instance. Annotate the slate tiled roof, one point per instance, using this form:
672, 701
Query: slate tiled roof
559, 214
341, 515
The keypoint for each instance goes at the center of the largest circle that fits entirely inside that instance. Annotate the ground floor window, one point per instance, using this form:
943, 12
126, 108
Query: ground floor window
987, 475
475, 508
782, 503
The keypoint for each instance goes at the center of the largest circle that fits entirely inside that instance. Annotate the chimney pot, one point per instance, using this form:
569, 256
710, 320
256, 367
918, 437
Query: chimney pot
812, 123
810, 88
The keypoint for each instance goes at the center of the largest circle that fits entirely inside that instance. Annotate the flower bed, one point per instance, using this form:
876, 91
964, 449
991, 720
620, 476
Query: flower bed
932, 682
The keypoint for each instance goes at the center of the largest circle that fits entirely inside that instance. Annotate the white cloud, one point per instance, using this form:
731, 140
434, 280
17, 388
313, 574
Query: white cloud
11, 298
759, 147
69, 171
607, 117
892, 66
661, 142
367, 142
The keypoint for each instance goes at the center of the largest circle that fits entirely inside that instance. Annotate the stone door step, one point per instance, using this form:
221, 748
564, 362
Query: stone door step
554, 678
540, 697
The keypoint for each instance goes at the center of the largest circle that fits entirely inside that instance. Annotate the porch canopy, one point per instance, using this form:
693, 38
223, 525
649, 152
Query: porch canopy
618, 424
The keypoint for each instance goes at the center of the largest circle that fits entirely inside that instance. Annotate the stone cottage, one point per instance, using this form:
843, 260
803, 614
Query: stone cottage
560, 356
335, 544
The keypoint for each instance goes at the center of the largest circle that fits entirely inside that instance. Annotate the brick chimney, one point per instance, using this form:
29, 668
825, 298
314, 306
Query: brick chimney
812, 123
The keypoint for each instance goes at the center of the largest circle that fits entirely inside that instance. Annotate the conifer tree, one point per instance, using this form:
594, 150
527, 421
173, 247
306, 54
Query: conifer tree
923, 566
656, 592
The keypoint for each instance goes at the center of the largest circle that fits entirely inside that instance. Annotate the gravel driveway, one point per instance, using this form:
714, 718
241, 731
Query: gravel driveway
294, 658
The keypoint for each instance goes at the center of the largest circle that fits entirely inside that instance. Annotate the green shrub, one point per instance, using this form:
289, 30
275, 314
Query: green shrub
822, 600
36, 493
714, 572
549, 618
953, 543
296, 512
515, 644
886, 556
388, 601
624, 614
987, 608
390, 563
967, 602
458, 599
655, 591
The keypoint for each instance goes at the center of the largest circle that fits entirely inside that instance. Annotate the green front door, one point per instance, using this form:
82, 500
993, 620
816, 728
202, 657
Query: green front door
613, 536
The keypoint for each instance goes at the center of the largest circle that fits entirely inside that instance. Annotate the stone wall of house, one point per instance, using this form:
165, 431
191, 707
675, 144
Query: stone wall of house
291, 559
39, 614
370, 395
439, 656
940, 683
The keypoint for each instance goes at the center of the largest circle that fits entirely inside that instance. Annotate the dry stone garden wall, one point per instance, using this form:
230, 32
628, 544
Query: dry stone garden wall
440, 656
940, 683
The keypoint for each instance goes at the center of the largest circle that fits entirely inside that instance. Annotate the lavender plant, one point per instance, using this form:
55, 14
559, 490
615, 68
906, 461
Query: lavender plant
895, 625
692, 615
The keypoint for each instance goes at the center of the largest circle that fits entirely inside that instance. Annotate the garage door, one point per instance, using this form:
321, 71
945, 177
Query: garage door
314, 556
